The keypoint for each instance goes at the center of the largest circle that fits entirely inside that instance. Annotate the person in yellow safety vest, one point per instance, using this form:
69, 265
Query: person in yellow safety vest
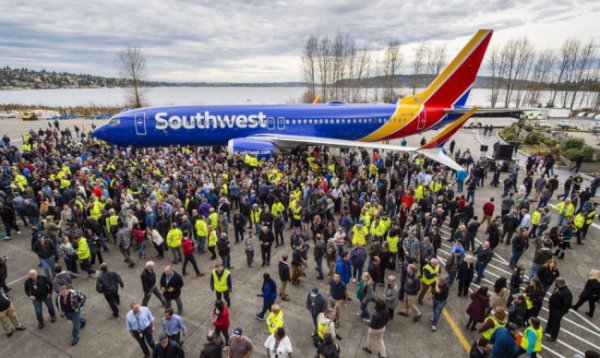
220, 283
20, 181
297, 216
378, 228
326, 323
26, 147
393, 239
174, 238
386, 222
213, 219
225, 189
420, 192
277, 208
298, 194
579, 223
275, 319
435, 185
531, 342
365, 217
419, 161
201, 232
96, 211
212, 241
250, 161
112, 224
83, 255
536, 219
589, 219
373, 171
565, 210
255, 217
493, 322
430, 275
359, 234
331, 168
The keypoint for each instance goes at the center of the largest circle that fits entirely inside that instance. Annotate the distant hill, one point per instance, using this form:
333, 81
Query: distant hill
19, 78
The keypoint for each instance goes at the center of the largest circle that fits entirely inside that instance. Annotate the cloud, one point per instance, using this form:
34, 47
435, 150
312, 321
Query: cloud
257, 40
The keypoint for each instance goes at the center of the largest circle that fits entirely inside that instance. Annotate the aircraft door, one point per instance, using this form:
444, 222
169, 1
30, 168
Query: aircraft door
140, 124
422, 120
271, 123
281, 123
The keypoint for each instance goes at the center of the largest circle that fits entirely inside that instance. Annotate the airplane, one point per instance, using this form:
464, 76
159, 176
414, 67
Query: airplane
263, 130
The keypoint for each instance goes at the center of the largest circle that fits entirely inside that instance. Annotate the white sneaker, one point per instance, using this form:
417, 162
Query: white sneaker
18, 233
354, 280
7, 238
434, 328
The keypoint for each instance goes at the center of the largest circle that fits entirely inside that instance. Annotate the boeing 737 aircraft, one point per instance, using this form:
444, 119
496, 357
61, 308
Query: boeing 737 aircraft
264, 129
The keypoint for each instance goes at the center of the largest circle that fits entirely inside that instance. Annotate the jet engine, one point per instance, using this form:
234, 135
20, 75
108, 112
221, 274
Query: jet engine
257, 148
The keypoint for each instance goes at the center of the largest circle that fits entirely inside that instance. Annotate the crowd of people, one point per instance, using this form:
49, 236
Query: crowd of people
376, 219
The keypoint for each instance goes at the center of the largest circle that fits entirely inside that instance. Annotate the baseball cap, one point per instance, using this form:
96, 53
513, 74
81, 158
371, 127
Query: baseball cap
238, 331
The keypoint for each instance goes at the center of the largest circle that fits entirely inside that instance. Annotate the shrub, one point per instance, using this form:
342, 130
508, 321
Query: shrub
571, 153
534, 138
571, 143
588, 153
549, 141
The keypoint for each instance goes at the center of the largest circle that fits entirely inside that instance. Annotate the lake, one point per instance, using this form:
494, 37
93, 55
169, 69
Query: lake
164, 96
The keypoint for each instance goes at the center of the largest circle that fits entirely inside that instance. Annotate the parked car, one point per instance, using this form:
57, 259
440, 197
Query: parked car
566, 125
543, 124
29, 117
595, 128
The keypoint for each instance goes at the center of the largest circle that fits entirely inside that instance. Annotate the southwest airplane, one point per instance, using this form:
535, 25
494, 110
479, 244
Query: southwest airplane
264, 129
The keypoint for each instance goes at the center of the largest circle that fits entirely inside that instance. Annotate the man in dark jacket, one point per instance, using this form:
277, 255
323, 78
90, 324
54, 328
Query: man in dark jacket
213, 348
148, 278
559, 304
412, 285
3, 274
39, 289
46, 251
510, 222
284, 276
108, 284
167, 348
171, 284
315, 303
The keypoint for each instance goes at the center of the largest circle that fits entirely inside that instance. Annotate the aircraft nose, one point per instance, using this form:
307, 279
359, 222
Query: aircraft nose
101, 132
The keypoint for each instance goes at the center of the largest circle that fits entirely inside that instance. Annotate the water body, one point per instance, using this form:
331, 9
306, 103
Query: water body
165, 96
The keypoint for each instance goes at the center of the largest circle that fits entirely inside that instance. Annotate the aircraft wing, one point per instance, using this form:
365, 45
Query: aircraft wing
281, 140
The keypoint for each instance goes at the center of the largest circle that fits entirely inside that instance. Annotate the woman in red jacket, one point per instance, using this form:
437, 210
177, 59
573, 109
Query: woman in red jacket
220, 319
187, 247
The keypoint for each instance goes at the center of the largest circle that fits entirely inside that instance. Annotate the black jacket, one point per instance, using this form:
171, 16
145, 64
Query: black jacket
378, 320
173, 350
412, 285
284, 271
465, 272
45, 250
148, 280
561, 300
316, 303
109, 282
176, 283
592, 290
212, 349
42, 288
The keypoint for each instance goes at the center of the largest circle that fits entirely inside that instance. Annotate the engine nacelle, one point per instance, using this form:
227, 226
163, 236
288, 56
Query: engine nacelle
257, 148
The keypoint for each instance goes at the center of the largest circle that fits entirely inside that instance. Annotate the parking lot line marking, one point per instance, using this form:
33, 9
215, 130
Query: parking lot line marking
457, 332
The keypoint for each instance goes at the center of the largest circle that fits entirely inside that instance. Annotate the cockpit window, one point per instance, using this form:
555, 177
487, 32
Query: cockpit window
114, 121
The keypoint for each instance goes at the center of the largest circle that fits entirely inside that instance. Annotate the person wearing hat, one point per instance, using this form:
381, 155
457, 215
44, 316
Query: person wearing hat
167, 348
240, 346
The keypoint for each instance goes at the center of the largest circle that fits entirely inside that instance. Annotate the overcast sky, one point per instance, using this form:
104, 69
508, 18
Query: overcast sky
260, 40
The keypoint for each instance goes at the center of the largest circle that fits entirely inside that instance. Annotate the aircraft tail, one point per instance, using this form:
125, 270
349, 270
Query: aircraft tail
317, 99
447, 132
452, 86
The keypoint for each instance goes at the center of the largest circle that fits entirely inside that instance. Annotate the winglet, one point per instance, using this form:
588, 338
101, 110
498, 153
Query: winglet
447, 133
317, 99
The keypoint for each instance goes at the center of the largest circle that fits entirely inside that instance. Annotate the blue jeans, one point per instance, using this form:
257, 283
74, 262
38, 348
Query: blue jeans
516, 255
451, 277
266, 306
438, 306
357, 271
471, 195
534, 269
319, 262
226, 260
201, 244
140, 250
459, 186
480, 268
77, 320
48, 266
506, 189
561, 220
364, 312
37, 306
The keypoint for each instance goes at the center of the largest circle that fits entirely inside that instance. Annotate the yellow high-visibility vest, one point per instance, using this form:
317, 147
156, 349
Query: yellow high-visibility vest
579, 220
220, 283
212, 239
393, 243
201, 228
214, 220
174, 238
359, 235
275, 321
536, 218
435, 271
539, 333
488, 334
255, 216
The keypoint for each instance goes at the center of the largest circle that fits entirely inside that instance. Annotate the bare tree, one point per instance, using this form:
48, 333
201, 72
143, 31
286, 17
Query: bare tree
496, 76
324, 66
309, 66
525, 59
566, 53
132, 66
418, 66
439, 59
391, 61
541, 76
581, 66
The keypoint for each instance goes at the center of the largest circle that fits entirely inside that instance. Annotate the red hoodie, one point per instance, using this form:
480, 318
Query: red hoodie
187, 246
221, 320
